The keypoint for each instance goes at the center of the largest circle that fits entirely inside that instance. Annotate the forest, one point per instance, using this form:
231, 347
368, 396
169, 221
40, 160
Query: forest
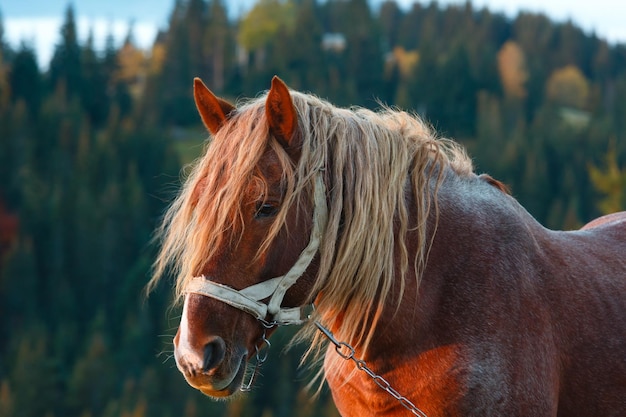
92, 149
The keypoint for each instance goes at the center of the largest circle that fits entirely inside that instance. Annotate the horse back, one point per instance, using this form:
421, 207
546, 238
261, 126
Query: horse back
592, 322
614, 220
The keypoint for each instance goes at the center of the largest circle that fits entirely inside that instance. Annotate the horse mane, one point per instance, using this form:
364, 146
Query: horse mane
495, 183
368, 159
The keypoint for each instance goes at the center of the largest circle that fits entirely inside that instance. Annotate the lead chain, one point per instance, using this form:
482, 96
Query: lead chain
347, 352
261, 357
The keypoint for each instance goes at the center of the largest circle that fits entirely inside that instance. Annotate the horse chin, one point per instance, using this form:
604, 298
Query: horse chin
227, 387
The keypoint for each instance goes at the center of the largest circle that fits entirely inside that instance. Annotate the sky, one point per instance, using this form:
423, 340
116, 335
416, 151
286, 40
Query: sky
38, 21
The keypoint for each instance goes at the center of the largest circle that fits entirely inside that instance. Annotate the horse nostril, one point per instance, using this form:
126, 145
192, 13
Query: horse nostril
213, 354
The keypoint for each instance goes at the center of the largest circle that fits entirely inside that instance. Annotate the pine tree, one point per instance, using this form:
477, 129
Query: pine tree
65, 66
218, 46
25, 80
390, 17
91, 383
94, 98
37, 393
363, 53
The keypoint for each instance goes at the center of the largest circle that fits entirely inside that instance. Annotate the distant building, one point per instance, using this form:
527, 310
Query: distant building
335, 42
578, 119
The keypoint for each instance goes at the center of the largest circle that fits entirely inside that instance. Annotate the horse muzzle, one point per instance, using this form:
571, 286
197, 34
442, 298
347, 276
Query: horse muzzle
212, 369
208, 362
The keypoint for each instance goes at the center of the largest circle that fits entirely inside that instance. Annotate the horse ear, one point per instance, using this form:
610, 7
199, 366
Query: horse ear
281, 114
213, 110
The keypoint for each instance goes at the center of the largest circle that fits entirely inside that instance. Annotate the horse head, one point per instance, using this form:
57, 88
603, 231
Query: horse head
245, 267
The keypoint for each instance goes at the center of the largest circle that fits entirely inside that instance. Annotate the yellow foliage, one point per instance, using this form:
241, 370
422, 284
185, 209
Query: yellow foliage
140, 408
610, 181
569, 87
6, 399
264, 21
131, 61
132, 68
405, 60
512, 69
157, 58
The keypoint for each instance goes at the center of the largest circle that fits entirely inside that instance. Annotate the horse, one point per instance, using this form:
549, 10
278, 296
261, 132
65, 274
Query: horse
435, 291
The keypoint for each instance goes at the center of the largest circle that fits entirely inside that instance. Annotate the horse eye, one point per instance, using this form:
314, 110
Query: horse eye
265, 210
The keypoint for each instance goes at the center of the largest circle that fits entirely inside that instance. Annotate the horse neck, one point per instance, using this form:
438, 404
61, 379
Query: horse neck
480, 232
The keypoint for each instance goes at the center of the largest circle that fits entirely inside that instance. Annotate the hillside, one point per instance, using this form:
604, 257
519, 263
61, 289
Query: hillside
91, 152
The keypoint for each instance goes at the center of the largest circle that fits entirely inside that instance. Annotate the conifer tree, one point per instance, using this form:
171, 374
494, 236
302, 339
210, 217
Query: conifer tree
93, 93
25, 80
65, 66
219, 46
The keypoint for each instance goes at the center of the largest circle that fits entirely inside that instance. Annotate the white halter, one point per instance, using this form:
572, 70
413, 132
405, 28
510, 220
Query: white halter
249, 299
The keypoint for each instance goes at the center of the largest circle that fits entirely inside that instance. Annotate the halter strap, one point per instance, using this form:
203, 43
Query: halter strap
249, 298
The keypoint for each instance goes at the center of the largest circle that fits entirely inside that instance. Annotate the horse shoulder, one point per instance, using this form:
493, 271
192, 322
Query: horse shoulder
432, 381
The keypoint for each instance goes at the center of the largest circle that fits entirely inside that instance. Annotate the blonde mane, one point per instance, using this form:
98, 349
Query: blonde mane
368, 160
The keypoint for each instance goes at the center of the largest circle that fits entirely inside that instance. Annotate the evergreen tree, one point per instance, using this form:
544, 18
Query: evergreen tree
65, 66
297, 51
25, 79
219, 46
35, 376
364, 56
183, 61
390, 18
5, 56
94, 97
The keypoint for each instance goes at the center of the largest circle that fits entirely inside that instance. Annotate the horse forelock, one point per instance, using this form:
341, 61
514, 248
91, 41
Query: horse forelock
207, 213
367, 159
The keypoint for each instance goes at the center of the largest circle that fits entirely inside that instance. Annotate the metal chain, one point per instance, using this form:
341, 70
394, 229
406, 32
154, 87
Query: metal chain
347, 352
261, 359
344, 350
261, 355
